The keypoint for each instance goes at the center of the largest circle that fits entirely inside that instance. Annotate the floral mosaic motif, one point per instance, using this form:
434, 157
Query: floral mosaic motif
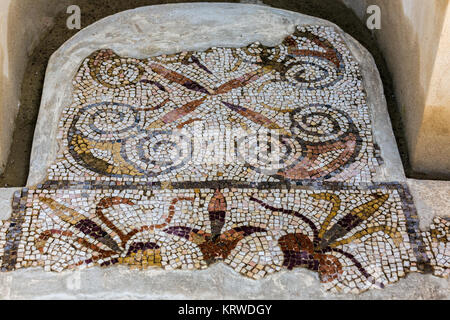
131, 185
137, 119
299, 250
354, 238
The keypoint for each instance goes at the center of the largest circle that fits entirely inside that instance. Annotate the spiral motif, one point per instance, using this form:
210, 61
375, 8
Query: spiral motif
107, 121
267, 153
319, 124
115, 73
157, 152
313, 73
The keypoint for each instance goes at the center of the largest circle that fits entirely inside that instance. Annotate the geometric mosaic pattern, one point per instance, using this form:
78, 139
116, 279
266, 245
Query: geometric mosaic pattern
304, 96
259, 157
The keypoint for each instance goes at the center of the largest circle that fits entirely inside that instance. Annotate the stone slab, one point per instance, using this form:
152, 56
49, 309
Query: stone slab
432, 199
6, 198
166, 29
217, 283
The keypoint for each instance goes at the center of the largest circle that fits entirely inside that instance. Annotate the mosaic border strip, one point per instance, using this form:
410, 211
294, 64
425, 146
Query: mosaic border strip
420, 243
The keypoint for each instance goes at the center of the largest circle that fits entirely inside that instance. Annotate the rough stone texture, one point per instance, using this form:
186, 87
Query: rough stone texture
218, 282
432, 198
166, 29
6, 196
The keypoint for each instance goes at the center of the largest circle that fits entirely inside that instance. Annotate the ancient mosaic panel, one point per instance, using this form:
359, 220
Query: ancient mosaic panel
354, 239
259, 157
160, 119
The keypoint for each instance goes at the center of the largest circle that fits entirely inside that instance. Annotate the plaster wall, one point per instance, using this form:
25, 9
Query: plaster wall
415, 40
22, 23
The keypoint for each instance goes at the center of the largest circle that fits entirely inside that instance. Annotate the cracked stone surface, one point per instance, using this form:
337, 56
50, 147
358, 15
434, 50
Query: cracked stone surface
247, 146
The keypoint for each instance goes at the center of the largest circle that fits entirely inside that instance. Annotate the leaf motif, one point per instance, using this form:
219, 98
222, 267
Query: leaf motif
217, 211
256, 118
178, 78
181, 231
79, 221
248, 230
336, 202
238, 82
64, 213
357, 216
176, 114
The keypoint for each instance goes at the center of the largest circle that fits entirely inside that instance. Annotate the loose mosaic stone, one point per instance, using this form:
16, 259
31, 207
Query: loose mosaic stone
437, 242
